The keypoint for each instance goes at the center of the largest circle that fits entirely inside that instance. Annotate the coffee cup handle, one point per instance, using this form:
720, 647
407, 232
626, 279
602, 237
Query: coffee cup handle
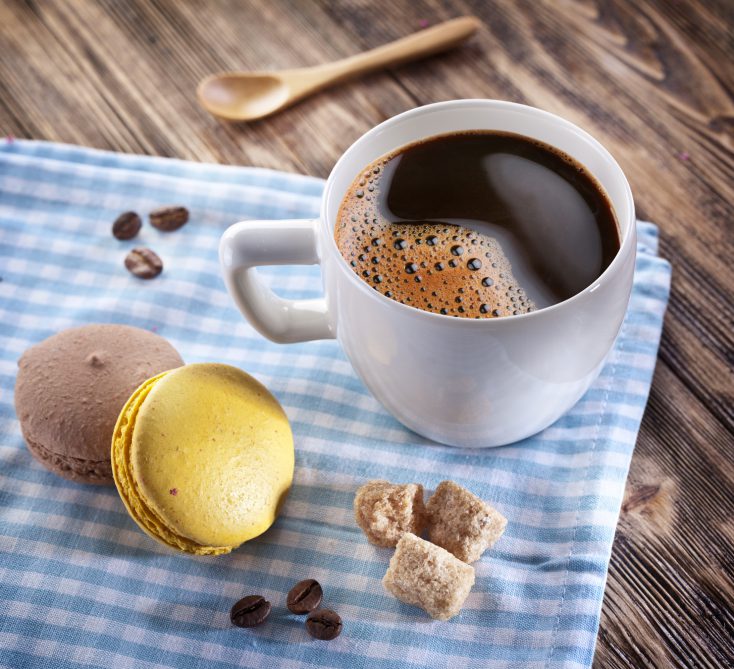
246, 245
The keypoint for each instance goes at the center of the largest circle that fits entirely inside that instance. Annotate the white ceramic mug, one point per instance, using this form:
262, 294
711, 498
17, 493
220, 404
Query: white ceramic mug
463, 382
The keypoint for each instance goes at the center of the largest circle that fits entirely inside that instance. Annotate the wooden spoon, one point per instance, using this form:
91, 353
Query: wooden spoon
245, 96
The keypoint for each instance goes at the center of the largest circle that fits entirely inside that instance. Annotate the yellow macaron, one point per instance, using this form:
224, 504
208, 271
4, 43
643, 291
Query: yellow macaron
203, 458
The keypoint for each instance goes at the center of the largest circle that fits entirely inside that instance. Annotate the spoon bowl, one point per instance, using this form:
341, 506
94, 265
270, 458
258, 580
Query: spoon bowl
235, 97
246, 96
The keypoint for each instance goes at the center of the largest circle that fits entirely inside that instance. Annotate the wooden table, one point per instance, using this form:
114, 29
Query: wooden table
653, 80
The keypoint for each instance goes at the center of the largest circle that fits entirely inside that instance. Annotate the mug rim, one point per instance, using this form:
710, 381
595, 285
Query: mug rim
628, 239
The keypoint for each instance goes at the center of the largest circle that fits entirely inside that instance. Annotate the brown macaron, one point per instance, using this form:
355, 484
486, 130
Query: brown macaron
71, 387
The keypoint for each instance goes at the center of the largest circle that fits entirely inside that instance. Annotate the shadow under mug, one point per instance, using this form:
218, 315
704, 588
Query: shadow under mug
463, 382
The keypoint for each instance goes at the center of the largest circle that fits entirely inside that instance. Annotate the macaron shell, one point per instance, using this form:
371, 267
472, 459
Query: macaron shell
146, 519
211, 455
74, 469
70, 388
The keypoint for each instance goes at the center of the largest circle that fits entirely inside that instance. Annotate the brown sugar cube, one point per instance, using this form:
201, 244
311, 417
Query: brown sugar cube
462, 523
426, 575
385, 511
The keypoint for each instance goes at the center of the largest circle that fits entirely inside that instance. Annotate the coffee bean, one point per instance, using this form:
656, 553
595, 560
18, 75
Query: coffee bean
143, 263
304, 596
250, 611
169, 218
324, 624
126, 225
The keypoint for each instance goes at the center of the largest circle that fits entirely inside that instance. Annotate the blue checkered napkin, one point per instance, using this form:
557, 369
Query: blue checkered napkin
82, 586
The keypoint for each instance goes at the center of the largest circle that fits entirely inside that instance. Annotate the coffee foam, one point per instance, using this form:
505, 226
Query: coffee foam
444, 268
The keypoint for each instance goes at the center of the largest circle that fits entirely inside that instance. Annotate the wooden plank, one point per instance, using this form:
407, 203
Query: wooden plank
110, 84
671, 579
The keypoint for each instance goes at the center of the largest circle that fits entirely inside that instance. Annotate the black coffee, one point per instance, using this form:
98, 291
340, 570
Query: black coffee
477, 225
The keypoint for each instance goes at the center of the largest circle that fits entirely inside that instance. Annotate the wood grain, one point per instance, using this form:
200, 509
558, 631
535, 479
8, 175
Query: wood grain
653, 80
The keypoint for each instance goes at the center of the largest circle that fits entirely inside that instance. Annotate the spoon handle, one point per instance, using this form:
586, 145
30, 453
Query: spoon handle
424, 43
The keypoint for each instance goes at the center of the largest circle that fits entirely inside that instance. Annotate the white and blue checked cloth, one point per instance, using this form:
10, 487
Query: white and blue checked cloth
82, 586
